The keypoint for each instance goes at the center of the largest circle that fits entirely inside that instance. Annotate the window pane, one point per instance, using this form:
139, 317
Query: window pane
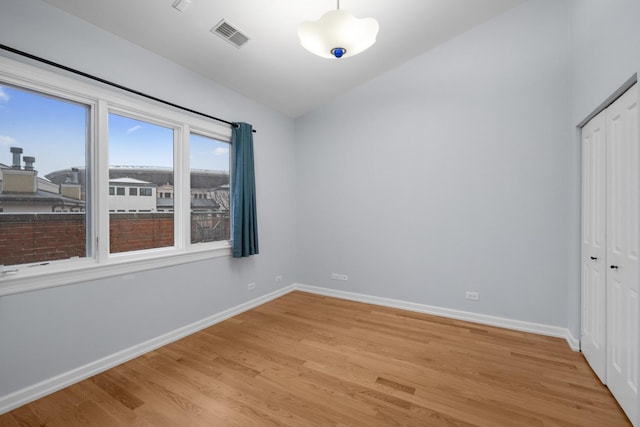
209, 159
43, 197
140, 159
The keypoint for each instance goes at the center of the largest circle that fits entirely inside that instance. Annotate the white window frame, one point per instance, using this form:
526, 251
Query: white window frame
99, 263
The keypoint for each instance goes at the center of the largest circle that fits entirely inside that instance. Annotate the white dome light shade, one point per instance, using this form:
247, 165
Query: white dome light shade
336, 30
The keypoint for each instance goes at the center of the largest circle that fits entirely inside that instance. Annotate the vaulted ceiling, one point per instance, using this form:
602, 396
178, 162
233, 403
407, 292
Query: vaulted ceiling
272, 68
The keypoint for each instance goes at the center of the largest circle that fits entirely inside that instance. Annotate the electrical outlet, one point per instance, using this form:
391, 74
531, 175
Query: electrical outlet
278, 278
251, 286
473, 296
338, 276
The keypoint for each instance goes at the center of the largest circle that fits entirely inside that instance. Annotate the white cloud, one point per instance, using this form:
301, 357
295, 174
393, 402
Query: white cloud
134, 129
4, 97
221, 151
7, 140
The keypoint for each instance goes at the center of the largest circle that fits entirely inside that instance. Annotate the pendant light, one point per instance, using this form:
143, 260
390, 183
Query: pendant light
338, 34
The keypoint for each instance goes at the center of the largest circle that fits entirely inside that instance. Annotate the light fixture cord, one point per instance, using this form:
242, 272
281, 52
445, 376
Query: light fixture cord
338, 1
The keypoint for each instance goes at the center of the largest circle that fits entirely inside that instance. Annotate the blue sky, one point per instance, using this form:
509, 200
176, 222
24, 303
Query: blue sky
54, 132
136, 143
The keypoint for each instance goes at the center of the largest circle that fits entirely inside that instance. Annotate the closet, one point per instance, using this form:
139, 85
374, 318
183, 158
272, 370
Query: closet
611, 247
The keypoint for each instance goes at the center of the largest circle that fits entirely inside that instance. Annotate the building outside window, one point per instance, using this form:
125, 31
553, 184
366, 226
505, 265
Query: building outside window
210, 197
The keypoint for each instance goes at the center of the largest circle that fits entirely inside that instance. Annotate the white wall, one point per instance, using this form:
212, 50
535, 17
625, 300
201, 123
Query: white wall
448, 174
604, 38
49, 332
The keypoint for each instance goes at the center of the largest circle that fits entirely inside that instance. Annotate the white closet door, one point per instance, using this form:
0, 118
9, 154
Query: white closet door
623, 250
593, 334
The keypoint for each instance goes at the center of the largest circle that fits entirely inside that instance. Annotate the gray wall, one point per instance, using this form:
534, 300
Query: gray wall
46, 333
448, 174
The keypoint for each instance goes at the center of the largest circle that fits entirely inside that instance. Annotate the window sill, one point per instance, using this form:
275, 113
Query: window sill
76, 271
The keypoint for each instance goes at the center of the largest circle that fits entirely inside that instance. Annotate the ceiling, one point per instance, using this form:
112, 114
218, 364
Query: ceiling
272, 68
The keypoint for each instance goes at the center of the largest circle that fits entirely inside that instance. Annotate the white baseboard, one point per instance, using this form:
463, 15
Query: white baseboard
36, 391
518, 325
573, 342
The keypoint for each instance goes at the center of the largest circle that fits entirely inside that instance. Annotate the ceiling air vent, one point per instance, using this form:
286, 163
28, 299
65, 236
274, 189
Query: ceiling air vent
181, 5
229, 33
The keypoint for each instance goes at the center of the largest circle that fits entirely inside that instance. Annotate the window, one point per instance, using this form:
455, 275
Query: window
140, 152
43, 149
210, 175
108, 146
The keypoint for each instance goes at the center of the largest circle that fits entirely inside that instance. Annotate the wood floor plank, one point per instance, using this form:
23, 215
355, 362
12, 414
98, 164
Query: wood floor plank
308, 360
9, 421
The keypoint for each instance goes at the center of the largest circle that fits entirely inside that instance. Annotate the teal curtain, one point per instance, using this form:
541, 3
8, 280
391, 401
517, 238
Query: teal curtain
244, 224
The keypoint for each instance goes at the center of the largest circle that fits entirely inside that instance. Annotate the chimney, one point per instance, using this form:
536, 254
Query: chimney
28, 162
19, 181
71, 187
16, 151
72, 178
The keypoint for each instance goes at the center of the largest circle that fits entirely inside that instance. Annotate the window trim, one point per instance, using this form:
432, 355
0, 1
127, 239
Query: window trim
99, 263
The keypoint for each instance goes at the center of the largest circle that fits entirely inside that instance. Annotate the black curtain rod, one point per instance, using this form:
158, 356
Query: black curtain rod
116, 85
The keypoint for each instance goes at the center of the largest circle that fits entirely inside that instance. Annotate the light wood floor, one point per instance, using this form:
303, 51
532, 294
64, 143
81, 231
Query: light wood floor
306, 360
